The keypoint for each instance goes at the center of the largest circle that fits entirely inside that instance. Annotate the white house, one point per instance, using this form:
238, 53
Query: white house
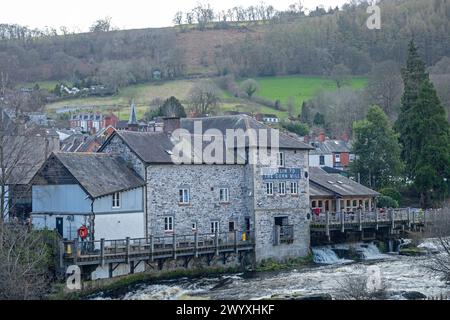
88, 189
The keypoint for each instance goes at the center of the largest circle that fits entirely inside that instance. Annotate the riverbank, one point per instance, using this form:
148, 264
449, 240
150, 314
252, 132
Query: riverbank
119, 285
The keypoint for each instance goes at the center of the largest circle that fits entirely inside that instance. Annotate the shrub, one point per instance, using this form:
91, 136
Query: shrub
298, 128
387, 202
392, 193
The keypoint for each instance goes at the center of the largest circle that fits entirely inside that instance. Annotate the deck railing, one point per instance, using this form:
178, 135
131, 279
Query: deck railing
173, 244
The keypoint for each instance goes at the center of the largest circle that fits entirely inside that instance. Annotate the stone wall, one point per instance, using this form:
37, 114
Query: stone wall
203, 182
294, 207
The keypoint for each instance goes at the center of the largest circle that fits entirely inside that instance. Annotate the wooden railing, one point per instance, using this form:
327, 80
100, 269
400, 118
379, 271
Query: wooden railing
361, 219
156, 247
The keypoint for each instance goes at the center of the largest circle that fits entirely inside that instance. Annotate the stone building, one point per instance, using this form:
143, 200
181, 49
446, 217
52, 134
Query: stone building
268, 202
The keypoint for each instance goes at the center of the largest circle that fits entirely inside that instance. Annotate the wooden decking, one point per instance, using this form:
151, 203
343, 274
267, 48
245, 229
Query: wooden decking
154, 248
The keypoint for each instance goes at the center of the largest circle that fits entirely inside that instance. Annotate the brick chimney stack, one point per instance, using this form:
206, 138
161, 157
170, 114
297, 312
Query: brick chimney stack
322, 137
171, 124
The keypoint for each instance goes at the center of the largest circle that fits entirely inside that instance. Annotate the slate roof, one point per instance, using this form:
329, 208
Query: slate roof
24, 155
100, 174
331, 146
337, 184
244, 122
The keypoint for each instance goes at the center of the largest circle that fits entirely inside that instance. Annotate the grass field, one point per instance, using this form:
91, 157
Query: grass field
301, 88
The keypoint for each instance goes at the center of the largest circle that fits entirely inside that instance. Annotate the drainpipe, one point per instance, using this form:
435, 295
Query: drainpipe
92, 221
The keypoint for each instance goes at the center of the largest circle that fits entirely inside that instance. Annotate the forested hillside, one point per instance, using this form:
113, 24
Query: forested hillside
284, 44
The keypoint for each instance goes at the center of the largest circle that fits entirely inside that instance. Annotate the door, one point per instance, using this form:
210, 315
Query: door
60, 226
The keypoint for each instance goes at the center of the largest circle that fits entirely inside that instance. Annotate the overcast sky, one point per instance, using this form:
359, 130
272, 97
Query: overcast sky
125, 14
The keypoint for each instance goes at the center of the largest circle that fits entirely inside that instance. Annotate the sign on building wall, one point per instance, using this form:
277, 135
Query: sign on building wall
281, 173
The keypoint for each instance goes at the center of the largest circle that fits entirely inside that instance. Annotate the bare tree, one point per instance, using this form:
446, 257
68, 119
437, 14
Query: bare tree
356, 287
24, 263
178, 19
438, 233
203, 99
340, 75
385, 87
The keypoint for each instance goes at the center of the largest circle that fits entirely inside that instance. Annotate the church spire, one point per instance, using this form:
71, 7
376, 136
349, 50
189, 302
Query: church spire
133, 118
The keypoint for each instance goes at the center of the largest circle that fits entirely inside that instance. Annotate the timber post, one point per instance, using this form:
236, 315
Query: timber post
102, 252
196, 244
127, 259
174, 237
342, 221
360, 219
235, 241
391, 211
75, 251
216, 240
408, 213
152, 248
327, 227
377, 218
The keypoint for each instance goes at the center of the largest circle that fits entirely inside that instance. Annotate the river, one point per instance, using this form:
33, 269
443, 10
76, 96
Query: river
399, 274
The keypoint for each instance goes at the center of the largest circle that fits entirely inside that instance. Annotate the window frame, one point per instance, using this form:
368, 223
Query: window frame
269, 186
226, 194
214, 225
281, 161
337, 158
280, 188
169, 221
116, 200
292, 189
183, 194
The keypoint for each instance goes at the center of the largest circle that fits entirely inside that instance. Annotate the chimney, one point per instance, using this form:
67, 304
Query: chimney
306, 139
171, 124
322, 137
345, 137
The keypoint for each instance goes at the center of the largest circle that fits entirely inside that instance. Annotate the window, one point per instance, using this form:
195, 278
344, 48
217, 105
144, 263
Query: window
116, 200
280, 159
322, 160
269, 188
168, 224
194, 226
337, 158
349, 203
214, 226
184, 196
231, 226
294, 187
282, 188
224, 195
320, 205
314, 204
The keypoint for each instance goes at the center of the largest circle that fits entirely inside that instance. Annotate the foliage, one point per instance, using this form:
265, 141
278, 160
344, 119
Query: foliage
387, 202
203, 99
250, 87
424, 133
170, 108
393, 193
377, 150
298, 128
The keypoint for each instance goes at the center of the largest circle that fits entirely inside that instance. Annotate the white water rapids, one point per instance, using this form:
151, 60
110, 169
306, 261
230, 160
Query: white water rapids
398, 273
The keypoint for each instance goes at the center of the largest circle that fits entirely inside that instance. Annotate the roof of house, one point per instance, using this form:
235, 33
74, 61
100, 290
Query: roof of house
156, 147
100, 174
330, 146
337, 184
243, 122
24, 155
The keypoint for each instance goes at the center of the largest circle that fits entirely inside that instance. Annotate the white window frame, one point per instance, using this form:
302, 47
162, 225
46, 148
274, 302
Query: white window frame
116, 200
214, 225
337, 158
194, 226
280, 159
168, 224
282, 188
294, 187
269, 188
224, 195
184, 196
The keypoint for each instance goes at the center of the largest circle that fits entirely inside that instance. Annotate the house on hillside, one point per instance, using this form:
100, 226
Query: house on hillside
330, 153
95, 190
336, 193
93, 122
267, 118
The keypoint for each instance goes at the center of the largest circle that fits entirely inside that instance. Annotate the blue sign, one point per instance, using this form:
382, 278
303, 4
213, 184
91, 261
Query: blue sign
281, 174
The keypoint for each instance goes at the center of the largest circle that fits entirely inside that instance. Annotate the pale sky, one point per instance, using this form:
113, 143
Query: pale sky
125, 14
